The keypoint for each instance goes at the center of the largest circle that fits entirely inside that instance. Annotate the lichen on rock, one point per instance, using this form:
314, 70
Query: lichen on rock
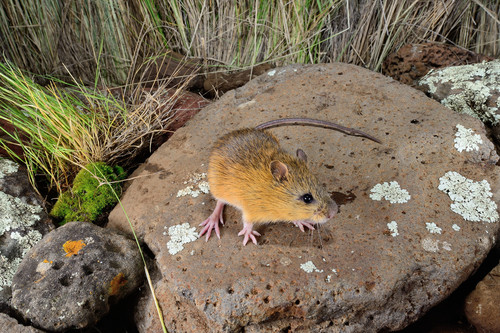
391, 192
470, 89
17, 219
472, 200
466, 139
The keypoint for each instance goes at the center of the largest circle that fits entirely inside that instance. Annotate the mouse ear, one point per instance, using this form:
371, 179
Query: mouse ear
301, 155
279, 170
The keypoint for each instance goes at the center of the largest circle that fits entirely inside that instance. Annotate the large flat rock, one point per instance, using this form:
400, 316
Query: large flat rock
353, 274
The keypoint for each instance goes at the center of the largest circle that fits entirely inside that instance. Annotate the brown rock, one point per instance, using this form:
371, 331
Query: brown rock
217, 83
482, 306
413, 61
174, 69
364, 279
186, 106
6, 130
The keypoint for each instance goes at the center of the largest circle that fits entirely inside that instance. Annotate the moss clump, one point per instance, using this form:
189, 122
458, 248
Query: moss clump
90, 194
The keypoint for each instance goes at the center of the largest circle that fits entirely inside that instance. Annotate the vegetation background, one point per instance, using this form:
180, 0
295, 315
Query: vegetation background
63, 61
115, 38
75, 76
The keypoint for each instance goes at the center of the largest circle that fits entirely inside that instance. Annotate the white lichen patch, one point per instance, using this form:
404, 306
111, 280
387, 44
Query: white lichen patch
433, 228
465, 139
434, 245
7, 270
89, 240
309, 267
430, 245
28, 241
204, 187
7, 167
391, 192
16, 214
455, 227
19, 217
471, 199
393, 228
446, 246
271, 72
179, 235
471, 87
199, 186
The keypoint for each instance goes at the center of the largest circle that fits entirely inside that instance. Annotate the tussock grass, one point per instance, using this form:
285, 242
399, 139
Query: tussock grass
67, 126
102, 36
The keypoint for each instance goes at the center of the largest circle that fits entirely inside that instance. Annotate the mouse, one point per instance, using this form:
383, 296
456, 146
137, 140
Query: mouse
250, 171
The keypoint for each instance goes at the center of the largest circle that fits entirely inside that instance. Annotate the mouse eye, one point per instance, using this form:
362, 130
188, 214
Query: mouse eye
307, 198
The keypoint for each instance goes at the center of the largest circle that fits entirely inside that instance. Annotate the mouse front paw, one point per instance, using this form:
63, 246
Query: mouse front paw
301, 224
212, 223
248, 233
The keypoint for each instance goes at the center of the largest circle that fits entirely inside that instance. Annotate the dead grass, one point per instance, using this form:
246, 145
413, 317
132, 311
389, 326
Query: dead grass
102, 36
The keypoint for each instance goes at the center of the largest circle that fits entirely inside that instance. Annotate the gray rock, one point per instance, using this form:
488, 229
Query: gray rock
359, 272
10, 325
74, 274
471, 89
23, 222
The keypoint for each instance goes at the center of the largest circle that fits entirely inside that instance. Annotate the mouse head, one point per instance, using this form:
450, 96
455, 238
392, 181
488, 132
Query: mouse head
301, 195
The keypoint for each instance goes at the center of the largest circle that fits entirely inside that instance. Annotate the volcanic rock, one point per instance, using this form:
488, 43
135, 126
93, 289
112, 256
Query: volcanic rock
411, 62
73, 275
471, 89
482, 305
418, 212
23, 222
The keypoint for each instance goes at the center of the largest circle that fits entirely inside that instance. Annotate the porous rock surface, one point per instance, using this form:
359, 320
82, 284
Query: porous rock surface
482, 304
350, 275
23, 222
73, 275
412, 61
10, 325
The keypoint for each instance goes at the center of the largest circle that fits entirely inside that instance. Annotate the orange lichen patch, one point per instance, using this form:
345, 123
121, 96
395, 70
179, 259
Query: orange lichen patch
73, 247
117, 282
46, 261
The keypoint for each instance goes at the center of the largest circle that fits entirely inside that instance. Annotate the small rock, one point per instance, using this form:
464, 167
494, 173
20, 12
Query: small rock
482, 305
10, 325
470, 89
71, 277
413, 61
186, 106
23, 222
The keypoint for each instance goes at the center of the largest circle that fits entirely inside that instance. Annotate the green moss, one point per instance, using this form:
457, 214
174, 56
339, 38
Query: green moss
90, 195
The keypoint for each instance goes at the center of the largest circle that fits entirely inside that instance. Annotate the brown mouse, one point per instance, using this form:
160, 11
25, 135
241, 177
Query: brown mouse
250, 171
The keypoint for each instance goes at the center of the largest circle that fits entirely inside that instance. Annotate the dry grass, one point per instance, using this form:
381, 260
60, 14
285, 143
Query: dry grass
101, 36
68, 126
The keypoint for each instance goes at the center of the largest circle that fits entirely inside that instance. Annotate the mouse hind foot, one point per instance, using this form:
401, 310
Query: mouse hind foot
212, 222
248, 233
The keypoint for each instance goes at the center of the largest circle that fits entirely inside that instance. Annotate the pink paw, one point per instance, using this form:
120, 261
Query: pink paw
248, 233
212, 223
301, 224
